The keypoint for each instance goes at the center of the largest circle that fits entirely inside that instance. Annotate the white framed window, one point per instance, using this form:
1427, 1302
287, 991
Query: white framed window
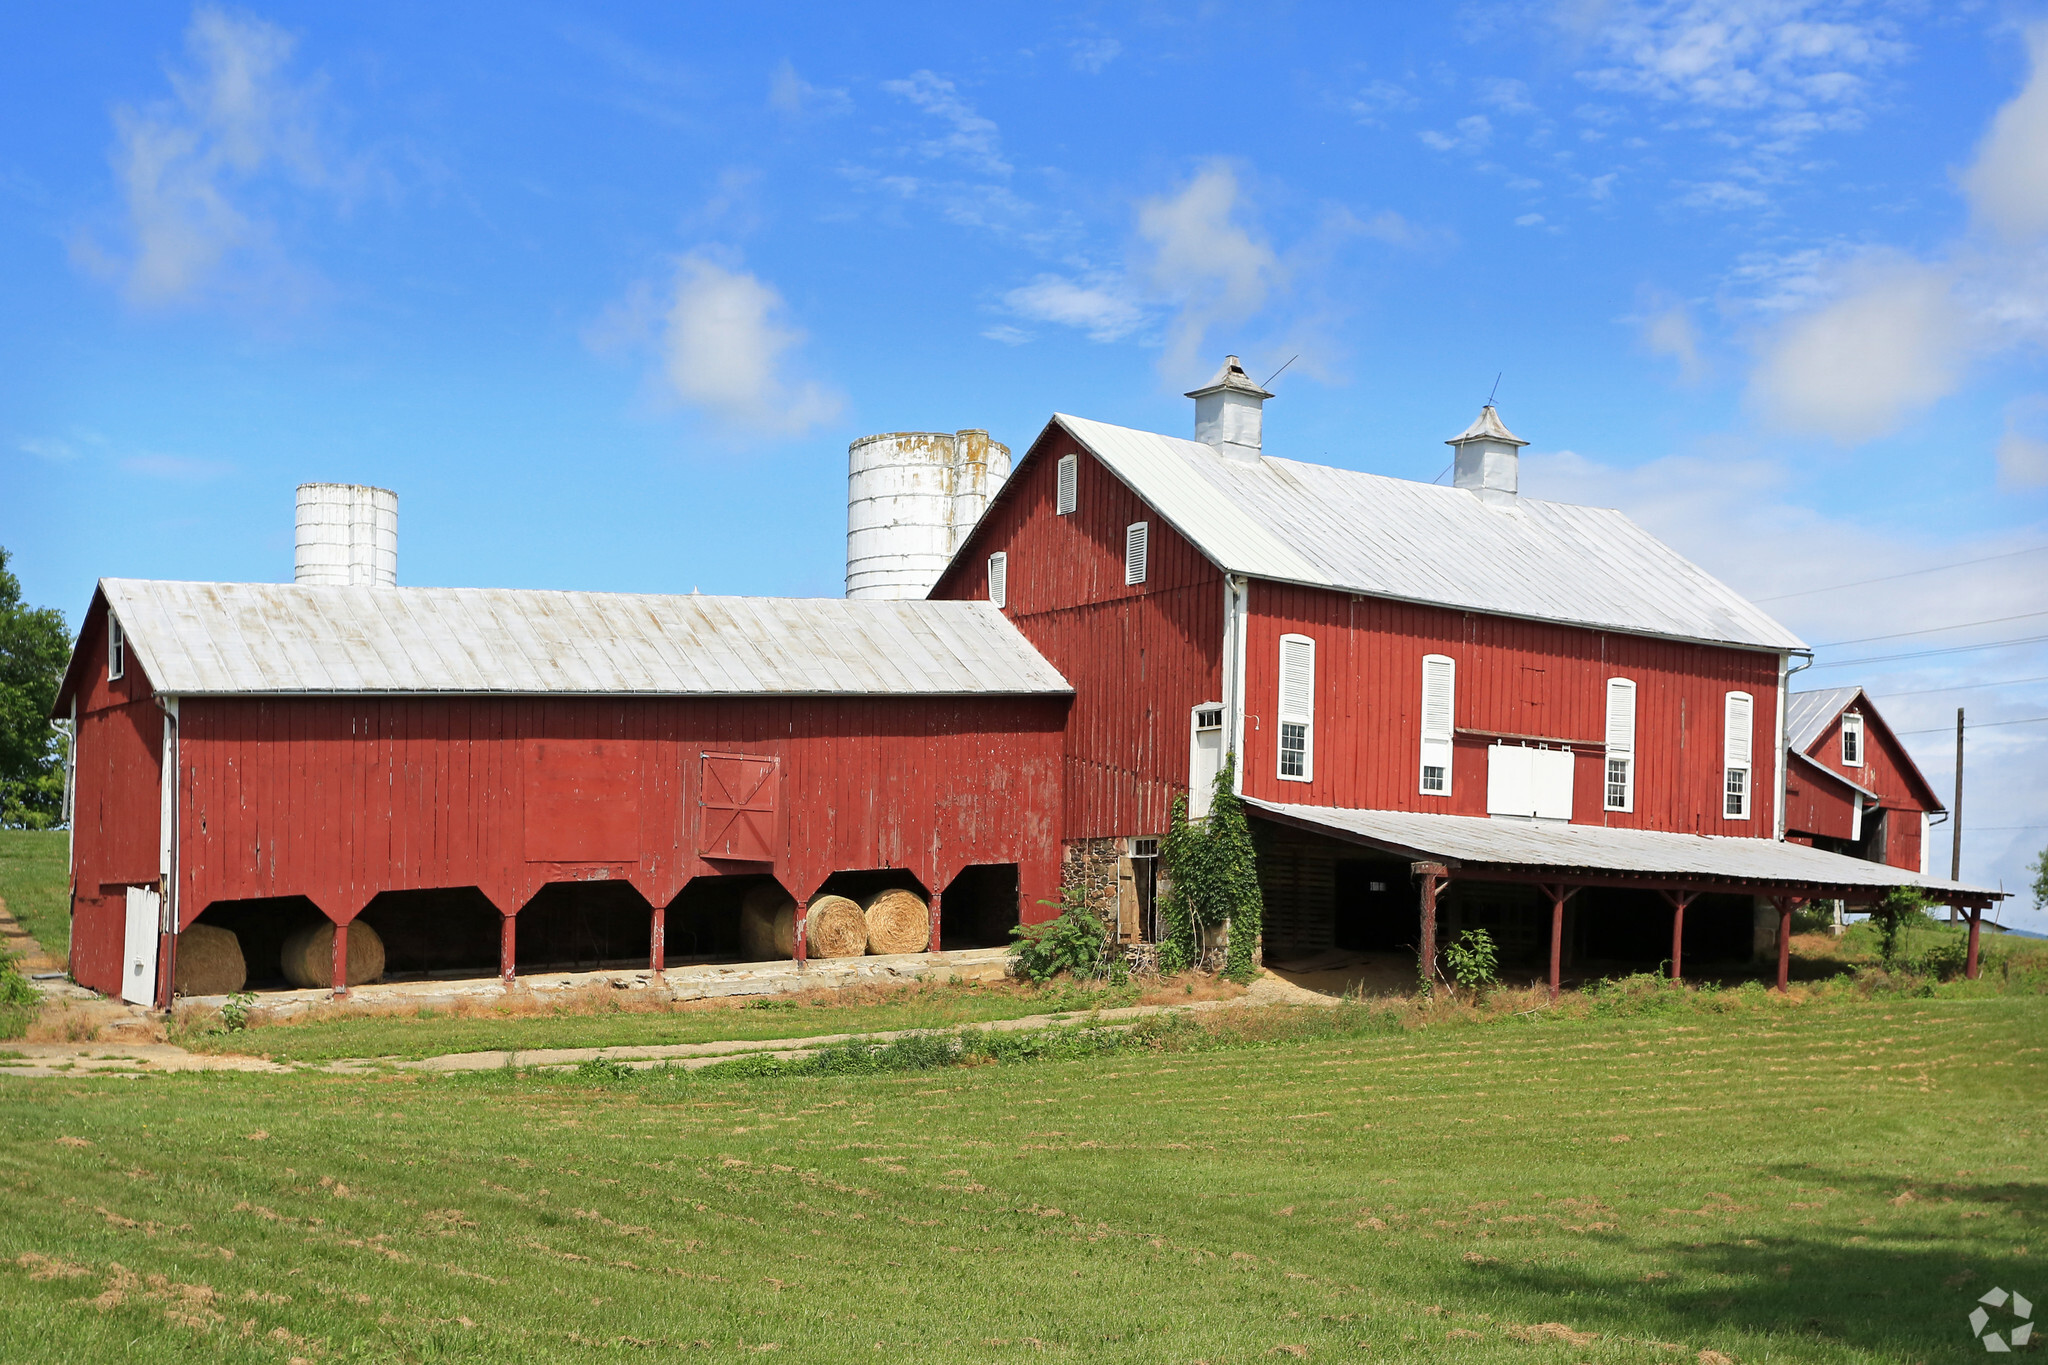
117, 649
999, 578
1137, 539
1205, 756
1852, 740
1439, 706
1737, 745
1297, 708
1070, 479
1621, 744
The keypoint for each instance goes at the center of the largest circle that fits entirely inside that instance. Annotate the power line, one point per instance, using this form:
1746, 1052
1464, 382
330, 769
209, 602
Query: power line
2003, 829
1933, 630
1959, 687
1930, 653
1910, 573
1976, 725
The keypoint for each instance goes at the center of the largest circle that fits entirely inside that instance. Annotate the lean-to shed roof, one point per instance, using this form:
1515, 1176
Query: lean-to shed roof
255, 638
1417, 542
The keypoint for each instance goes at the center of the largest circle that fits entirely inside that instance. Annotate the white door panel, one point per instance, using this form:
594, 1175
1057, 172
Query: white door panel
138, 956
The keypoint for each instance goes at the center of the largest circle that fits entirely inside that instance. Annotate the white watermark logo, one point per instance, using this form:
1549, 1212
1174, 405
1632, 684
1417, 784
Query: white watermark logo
2019, 1334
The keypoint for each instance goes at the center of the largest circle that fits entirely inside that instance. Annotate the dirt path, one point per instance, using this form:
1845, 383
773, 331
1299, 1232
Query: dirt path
146, 1059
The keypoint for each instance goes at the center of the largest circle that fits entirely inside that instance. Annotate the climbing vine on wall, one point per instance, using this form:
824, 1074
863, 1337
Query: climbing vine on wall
1212, 879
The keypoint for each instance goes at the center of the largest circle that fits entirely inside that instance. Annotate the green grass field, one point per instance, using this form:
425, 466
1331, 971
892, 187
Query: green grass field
1830, 1181
33, 879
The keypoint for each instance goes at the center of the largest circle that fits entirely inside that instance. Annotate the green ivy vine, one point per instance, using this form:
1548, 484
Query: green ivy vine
1212, 878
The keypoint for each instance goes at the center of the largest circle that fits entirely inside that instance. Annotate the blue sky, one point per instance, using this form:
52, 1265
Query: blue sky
604, 291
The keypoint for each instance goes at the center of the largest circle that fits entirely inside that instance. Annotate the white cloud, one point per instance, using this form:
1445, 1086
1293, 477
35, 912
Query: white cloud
1212, 268
1376, 99
2023, 450
1893, 342
1473, 133
971, 139
1008, 335
1093, 54
176, 468
1101, 308
2008, 185
1669, 330
51, 448
189, 167
789, 94
1529, 220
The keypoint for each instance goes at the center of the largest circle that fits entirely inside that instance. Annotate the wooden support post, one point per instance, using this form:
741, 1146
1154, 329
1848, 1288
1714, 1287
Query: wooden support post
1970, 964
803, 909
1679, 900
657, 942
1432, 875
340, 960
1557, 896
934, 945
505, 949
1784, 904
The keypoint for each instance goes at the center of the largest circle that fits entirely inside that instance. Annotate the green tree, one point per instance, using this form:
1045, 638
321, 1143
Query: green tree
35, 645
2040, 871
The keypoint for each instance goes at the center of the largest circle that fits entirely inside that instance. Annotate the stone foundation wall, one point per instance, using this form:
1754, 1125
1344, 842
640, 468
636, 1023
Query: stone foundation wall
1091, 865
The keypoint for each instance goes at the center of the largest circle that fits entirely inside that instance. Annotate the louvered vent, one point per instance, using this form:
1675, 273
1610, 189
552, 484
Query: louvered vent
999, 579
1069, 482
1135, 537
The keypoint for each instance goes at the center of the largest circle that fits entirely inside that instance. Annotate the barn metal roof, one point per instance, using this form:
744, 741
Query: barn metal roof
1824, 770
1809, 713
1594, 849
1417, 542
233, 638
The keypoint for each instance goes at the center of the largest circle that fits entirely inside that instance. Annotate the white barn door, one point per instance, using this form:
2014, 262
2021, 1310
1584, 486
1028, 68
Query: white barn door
1529, 783
138, 956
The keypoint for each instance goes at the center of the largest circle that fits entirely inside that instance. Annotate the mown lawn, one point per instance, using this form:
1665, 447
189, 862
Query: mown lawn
1778, 1182
578, 1024
34, 867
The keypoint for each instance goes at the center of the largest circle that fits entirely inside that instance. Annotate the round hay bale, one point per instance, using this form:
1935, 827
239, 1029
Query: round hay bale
835, 927
899, 921
209, 962
767, 924
308, 955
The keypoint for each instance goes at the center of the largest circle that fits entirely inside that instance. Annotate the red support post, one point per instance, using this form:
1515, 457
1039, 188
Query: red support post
1557, 898
1679, 900
934, 946
1431, 874
1971, 966
340, 960
803, 909
505, 949
657, 944
1784, 904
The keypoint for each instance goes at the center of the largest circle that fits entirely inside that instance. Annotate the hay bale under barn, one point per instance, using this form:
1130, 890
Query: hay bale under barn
835, 927
899, 921
767, 924
209, 962
308, 955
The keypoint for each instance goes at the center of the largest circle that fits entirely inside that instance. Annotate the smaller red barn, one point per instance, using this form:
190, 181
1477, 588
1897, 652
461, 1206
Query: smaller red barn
1850, 786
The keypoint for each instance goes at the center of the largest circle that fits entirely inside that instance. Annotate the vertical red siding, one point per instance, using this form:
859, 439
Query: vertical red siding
1140, 657
117, 805
1890, 773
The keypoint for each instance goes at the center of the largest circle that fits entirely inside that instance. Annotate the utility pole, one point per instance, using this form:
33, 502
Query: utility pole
1955, 817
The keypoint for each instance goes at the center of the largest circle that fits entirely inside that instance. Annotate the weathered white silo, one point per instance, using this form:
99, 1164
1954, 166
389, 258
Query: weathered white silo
347, 536
912, 497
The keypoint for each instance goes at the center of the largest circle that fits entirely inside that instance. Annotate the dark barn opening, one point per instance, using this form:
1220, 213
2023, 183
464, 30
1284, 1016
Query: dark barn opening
261, 925
445, 931
584, 926
1374, 907
703, 922
979, 907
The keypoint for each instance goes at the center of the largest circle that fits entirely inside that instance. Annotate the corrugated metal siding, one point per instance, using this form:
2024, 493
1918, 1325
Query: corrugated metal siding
117, 805
1339, 528
1141, 657
339, 799
1514, 677
246, 638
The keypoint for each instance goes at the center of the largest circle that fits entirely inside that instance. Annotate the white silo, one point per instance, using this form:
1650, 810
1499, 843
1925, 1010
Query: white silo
911, 499
347, 536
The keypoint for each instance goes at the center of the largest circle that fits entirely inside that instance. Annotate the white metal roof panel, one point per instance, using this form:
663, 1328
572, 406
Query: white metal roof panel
1595, 848
1418, 542
1809, 713
225, 638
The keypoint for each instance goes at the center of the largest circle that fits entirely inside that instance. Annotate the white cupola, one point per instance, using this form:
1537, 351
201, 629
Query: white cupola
1488, 459
1229, 412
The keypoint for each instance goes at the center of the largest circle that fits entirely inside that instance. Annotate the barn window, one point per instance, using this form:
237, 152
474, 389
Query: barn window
1852, 740
1439, 694
1736, 744
117, 649
1135, 537
1205, 758
1621, 744
1070, 474
999, 578
1297, 707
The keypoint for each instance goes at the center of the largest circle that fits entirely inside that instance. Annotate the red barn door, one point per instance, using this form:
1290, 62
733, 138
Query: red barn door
738, 803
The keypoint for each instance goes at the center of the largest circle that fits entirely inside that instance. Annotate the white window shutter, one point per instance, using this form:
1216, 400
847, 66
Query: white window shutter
1070, 474
999, 578
1736, 741
1136, 538
1297, 678
1439, 710
1621, 716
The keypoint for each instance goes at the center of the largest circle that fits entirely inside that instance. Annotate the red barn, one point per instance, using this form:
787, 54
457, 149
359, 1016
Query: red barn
1438, 681
513, 778
1850, 786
